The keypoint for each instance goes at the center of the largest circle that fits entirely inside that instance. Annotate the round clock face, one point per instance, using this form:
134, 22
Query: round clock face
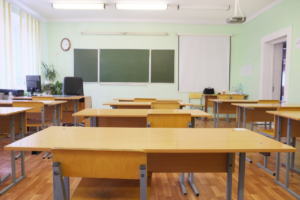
65, 44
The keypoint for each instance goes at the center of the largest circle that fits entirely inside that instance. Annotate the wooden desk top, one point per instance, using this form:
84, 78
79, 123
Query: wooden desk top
47, 103
62, 97
5, 111
152, 140
116, 103
233, 100
248, 105
287, 114
132, 99
136, 112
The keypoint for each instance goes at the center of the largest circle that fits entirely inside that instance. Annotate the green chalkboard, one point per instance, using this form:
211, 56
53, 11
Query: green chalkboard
86, 64
162, 66
124, 65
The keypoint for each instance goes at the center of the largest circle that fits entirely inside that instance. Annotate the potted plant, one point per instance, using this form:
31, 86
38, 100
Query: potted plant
50, 73
52, 89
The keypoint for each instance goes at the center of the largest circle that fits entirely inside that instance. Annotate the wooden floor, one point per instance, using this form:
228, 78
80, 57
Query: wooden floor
258, 184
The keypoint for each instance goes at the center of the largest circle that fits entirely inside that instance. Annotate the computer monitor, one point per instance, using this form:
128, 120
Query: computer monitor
33, 83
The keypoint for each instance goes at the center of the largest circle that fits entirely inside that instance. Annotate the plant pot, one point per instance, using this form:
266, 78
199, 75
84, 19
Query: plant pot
49, 81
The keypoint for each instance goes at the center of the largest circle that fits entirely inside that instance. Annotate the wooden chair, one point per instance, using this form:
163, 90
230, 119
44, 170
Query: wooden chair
106, 174
237, 97
173, 121
182, 120
43, 98
165, 105
268, 102
223, 96
196, 96
144, 100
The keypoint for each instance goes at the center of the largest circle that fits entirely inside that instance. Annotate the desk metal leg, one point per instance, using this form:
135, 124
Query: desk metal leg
181, 181
227, 118
245, 114
240, 117
215, 113
288, 155
58, 114
229, 177
75, 111
265, 167
241, 182
13, 161
91, 122
190, 178
292, 166
43, 118
54, 124
218, 114
278, 154
95, 123
67, 187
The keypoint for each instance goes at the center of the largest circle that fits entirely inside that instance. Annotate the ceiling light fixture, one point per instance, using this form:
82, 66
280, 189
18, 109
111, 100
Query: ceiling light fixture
124, 33
72, 6
204, 7
237, 18
121, 6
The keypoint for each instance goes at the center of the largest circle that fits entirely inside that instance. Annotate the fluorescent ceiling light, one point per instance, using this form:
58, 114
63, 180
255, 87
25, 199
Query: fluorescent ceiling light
204, 7
123, 33
79, 6
141, 6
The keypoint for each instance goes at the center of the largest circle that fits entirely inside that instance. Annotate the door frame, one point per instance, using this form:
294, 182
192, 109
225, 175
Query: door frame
267, 62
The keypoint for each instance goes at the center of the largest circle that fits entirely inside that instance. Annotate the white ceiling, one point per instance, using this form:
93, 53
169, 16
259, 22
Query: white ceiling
42, 9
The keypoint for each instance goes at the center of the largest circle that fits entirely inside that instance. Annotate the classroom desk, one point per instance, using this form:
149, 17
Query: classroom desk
286, 124
137, 105
50, 107
223, 106
73, 105
132, 99
11, 119
208, 97
130, 117
205, 150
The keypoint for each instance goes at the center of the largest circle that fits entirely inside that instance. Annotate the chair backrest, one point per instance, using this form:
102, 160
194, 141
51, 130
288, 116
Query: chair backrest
268, 101
195, 95
43, 98
37, 106
73, 86
144, 100
165, 105
237, 97
169, 120
223, 96
288, 109
115, 164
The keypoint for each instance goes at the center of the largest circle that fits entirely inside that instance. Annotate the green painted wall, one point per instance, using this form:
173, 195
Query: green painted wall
279, 17
53, 33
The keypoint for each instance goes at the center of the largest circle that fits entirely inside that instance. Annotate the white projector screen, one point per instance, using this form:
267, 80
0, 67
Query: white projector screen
204, 61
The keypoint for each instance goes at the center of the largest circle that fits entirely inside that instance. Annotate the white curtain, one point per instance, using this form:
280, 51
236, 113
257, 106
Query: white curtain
6, 49
204, 61
18, 44
30, 45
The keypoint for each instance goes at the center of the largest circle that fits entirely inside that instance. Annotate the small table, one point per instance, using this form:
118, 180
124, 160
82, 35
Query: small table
9, 112
130, 117
203, 150
223, 106
283, 128
136, 105
132, 99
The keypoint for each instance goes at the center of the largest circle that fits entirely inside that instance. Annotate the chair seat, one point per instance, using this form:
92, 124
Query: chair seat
33, 122
117, 189
267, 132
197, 105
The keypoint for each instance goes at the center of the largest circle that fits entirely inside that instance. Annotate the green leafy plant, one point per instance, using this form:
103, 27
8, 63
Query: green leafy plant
54, 89
49, 72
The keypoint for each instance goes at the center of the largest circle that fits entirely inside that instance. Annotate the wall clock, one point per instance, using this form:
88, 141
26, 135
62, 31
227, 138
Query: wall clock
65, 44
